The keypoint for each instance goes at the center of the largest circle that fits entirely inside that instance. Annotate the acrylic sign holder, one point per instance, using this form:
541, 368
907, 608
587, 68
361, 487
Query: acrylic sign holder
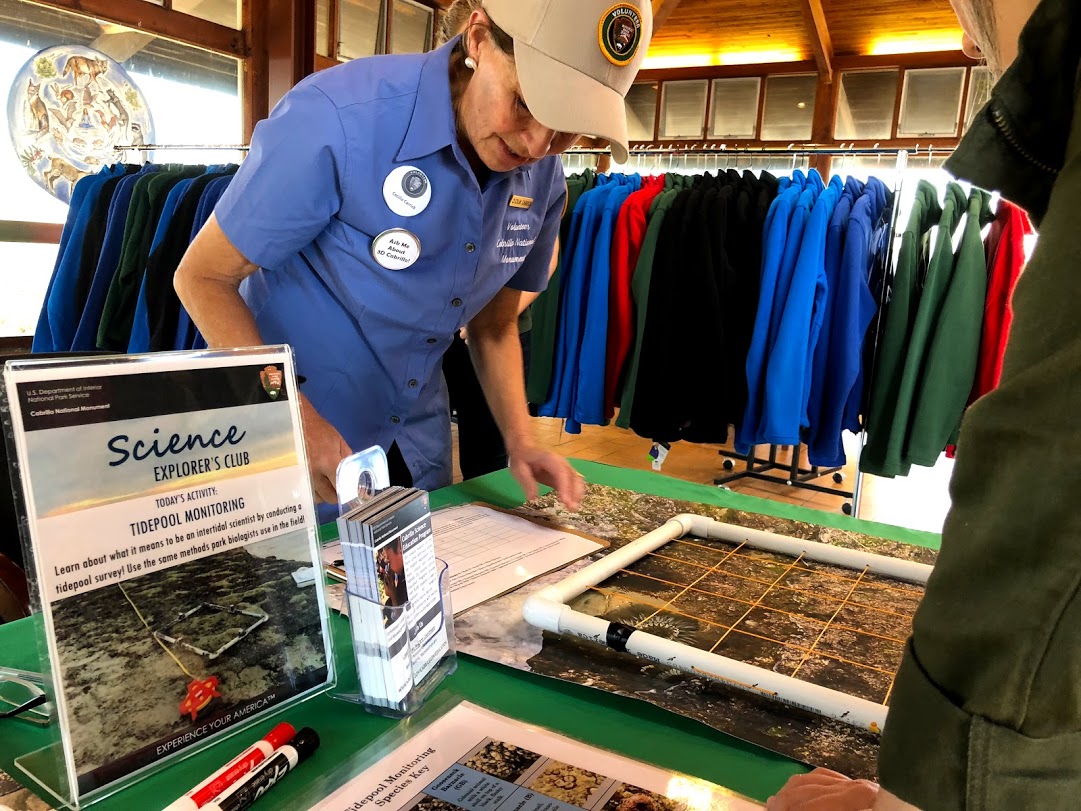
51, 767
359, 478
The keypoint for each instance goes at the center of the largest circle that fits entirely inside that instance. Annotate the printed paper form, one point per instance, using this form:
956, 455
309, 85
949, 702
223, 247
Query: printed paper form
490, 552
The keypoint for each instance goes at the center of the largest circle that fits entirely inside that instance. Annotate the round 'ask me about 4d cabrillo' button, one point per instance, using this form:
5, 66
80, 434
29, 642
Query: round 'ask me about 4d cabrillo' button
396, 249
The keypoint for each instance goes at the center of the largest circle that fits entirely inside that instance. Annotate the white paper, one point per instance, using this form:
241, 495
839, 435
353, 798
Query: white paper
475, 760
491, 552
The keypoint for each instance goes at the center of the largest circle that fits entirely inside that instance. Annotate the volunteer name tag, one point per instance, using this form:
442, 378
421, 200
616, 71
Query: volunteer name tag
518, 201
396, 249
407, 191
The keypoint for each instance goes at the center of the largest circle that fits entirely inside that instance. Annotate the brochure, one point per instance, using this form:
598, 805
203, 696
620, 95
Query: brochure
169, 510
470, 759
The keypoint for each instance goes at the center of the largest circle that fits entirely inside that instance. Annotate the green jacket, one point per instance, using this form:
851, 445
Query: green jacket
897, 332
950, 368
986, 710
640, 281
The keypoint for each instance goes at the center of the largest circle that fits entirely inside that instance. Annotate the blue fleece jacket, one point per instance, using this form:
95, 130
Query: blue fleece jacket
139, 340
86, 335
853, 310
775, 235
577, 265
59, 316
835, 241
788, 370
593, 350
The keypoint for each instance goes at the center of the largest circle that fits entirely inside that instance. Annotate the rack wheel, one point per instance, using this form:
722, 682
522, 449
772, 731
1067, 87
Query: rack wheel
838, 478
728, 464
724, 487
846, 508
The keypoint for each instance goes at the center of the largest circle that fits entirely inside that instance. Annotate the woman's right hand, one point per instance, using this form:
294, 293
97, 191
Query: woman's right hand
326, 449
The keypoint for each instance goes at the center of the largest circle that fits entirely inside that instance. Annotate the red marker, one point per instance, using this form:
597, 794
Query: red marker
234, 770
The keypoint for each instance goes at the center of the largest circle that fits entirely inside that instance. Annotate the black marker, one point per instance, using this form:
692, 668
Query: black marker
241, 795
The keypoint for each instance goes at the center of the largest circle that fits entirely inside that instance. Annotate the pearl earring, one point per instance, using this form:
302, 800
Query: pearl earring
471, 63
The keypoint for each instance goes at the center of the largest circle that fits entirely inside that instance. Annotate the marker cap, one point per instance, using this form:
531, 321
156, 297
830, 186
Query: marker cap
305, 742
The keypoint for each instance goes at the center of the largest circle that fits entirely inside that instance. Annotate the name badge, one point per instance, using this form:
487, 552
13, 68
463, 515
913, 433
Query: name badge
396, 249
517, 201
407, 191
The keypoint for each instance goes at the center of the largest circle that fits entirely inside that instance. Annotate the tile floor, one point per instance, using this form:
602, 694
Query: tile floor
919, 501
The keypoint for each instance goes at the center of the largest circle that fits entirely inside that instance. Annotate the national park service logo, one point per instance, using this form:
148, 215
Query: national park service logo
415, 183
271, 378
620, 34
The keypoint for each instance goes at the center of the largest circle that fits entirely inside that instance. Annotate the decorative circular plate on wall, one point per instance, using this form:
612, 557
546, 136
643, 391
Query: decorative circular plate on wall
67, 108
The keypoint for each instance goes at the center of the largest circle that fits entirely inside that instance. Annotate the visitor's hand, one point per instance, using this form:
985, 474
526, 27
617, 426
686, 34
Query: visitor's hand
824, 790
326, 449
532, 465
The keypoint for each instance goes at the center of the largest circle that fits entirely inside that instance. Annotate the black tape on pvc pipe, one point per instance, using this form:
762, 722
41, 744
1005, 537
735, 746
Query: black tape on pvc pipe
618, 634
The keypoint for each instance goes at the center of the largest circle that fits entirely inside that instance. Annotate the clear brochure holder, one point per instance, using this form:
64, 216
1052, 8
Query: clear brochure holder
196, 569
365, 655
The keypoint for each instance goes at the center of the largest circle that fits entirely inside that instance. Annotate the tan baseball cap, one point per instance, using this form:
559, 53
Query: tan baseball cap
577, 60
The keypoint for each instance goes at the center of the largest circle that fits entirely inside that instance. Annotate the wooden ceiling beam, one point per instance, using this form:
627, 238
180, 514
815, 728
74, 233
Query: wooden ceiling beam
662, 10
821, 42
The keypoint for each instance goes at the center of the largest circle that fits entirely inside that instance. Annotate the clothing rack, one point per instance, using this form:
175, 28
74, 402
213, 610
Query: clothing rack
794, 474
790, 150
152, 147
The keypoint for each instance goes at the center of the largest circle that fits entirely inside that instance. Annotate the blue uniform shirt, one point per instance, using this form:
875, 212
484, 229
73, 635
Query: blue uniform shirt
306, 206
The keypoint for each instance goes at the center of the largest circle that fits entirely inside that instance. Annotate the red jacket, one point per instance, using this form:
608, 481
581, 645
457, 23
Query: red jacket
626, 245
1005, 266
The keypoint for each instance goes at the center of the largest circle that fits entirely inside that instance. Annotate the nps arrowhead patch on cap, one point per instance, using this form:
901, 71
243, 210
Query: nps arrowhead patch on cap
620, 33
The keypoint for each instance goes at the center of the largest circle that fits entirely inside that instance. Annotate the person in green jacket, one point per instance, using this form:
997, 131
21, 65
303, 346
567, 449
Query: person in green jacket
986, 710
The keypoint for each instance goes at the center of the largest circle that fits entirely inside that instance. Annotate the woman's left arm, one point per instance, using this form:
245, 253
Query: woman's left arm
497, 358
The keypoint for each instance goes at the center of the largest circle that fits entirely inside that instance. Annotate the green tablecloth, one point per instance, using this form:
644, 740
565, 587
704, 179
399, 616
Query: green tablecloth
629, 727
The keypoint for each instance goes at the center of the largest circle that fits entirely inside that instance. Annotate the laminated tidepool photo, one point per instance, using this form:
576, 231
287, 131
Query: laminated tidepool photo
171, 529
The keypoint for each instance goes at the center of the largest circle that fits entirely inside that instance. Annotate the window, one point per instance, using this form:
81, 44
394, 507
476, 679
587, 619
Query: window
410, 28
641, 108
27, 268
323, 46
931, 102
979, 93
192, 94
360, 28
734, 112
865, 105
790, 107
222, 12
683, 109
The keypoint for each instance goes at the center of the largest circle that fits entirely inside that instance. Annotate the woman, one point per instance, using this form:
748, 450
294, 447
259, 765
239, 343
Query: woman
389, 202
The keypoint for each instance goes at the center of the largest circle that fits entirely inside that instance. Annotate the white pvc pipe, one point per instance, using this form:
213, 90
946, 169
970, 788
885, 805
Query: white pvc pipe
547, 609
895, 568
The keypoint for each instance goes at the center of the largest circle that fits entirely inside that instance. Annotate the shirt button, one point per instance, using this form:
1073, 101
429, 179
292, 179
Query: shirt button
413, 384
470, 247
431, 340
395, 420
457, 302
